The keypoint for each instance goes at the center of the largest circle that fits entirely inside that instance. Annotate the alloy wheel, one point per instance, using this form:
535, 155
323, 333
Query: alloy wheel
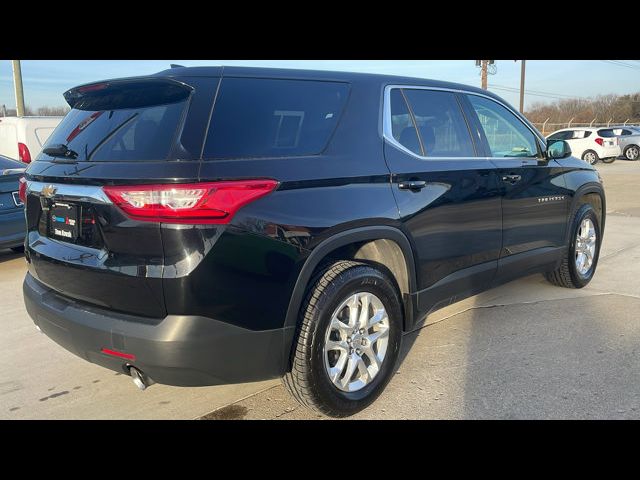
585, 248
356, 342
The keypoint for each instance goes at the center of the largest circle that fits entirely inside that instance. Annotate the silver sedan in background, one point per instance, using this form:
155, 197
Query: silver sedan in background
629, 141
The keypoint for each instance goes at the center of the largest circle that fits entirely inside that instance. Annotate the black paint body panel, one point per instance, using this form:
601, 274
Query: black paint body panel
466, 231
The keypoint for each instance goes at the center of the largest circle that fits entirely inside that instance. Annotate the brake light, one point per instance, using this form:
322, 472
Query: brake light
599, 141
22, 189
93, 87
23, 153
212, 202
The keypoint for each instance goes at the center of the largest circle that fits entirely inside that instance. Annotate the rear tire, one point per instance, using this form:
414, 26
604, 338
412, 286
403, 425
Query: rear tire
590, 157
632, 152
571, 273
333, 370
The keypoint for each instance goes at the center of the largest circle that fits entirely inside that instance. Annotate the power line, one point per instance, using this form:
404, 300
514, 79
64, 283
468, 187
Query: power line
535, 93
621, 64
539, 92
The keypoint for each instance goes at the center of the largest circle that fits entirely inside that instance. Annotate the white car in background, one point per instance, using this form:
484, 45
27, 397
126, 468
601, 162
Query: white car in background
22, 138
591, 144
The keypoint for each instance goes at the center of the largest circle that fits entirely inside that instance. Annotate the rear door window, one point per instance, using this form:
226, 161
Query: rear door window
123, 122
403, 127
441, 126
256, 117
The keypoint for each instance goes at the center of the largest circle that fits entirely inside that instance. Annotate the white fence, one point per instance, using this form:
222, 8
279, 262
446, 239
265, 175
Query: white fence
546, 127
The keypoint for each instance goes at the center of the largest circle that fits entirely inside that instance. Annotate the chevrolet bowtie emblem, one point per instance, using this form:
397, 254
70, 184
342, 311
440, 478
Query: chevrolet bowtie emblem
49, 191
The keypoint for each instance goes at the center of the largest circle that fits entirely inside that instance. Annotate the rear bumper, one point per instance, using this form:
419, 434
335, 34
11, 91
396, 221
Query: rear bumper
610, 152
176, 350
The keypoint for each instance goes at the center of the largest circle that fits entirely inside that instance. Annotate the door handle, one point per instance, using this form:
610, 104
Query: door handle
412, 185
511, 178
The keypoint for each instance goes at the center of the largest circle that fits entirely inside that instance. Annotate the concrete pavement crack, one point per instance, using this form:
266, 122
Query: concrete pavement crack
613, 254
237, 401
532, 302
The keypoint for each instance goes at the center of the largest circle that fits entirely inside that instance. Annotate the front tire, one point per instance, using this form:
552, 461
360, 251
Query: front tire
590, 157
348, 340
632, 152
579, 263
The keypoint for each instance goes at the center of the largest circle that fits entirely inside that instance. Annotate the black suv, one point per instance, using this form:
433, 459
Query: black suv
216, 225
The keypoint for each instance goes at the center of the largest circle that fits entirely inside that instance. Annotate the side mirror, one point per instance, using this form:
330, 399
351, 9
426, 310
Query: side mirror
558, 149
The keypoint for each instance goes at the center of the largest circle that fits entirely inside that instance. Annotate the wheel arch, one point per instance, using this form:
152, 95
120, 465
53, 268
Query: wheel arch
627, 147
592, 194
386, 246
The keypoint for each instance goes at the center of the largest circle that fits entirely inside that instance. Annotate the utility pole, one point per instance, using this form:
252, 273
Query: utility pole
522, 68
17, 82
483, 73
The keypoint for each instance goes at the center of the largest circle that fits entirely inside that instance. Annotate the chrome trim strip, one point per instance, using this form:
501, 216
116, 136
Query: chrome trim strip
11, 171
387, 127
78, 193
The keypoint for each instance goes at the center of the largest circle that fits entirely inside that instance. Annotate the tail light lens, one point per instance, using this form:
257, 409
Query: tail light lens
599, 141
23, 153
213, 202
22, 190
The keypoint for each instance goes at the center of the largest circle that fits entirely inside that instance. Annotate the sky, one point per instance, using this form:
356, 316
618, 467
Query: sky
546, 80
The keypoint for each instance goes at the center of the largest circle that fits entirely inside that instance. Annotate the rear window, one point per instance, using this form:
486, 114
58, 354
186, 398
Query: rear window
122, 122
273, 118
606, 133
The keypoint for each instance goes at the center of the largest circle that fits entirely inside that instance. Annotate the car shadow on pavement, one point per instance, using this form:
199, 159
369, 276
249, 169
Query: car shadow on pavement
7, 255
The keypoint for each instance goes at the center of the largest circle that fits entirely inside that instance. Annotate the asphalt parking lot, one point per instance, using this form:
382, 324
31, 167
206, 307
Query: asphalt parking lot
523, 350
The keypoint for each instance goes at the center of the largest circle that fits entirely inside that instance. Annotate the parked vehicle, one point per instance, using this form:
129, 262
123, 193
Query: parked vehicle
628, 139
21, 138
589, 144
218, 225
12, 224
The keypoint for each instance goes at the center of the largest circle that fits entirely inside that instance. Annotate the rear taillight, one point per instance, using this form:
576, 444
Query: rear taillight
213, 202
599, 141
23, 153
22, 189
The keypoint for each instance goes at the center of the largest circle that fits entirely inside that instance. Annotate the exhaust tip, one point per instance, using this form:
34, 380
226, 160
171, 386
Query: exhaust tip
139, 379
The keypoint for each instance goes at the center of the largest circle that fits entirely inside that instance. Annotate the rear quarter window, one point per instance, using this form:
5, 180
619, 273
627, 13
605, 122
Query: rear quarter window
255, 117
606, 133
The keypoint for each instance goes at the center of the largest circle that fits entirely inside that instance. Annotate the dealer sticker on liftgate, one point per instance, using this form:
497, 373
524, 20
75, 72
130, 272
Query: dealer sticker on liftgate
64, 221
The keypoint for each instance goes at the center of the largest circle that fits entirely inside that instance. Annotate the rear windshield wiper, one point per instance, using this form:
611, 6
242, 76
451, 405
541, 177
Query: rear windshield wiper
60, 150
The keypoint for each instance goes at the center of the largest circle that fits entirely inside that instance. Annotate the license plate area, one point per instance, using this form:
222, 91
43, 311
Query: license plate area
64, 221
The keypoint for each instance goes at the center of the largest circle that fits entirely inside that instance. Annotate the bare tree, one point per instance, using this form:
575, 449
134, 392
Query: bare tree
617, 108
52, 111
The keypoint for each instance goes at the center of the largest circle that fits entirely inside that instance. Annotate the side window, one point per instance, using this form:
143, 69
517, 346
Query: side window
256, 117
587, 134
579, 134
560, 136
442, 129
606, 133
506, 134
402, 127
